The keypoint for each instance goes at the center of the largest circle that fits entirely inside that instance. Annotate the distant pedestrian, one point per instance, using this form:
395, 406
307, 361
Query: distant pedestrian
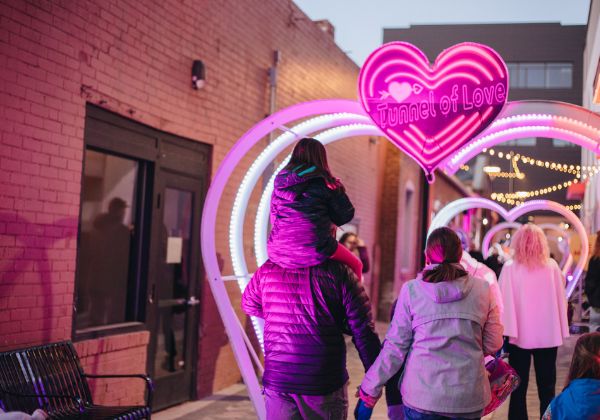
307, 205
592, 286
580, 399
444, 323
356, 245
535, 316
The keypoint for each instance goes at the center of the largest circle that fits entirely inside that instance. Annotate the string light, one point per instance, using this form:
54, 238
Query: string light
574, 207
538, 192
555, 166
520, 175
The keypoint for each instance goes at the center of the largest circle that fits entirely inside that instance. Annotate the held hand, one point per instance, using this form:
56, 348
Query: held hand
368, 400
362, 412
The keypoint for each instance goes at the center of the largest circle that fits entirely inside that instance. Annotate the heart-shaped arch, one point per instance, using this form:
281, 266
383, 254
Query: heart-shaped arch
518, 119
454, 208
486, 246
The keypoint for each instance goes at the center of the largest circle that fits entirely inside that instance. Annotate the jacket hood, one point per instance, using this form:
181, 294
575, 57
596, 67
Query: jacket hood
447, 291
581, 399
288, 178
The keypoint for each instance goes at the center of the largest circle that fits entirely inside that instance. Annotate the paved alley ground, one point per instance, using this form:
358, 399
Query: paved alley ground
233, 403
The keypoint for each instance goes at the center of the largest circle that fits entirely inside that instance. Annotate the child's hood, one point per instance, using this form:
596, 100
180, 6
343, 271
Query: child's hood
448, 291
580, 399
289, 178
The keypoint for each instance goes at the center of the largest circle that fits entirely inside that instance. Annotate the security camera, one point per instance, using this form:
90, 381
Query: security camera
198, 74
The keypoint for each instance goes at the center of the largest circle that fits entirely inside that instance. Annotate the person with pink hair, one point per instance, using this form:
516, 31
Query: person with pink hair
534, 317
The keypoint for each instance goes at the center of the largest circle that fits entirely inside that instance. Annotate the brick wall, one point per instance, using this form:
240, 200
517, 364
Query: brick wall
118, 353
134, 58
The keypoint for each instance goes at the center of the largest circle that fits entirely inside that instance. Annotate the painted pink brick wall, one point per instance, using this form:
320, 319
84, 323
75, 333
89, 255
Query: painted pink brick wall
134, 58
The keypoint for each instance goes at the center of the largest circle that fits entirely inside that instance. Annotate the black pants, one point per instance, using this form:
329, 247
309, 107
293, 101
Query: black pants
544, 361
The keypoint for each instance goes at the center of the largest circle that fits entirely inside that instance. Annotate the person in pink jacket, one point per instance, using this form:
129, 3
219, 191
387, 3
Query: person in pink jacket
534, 317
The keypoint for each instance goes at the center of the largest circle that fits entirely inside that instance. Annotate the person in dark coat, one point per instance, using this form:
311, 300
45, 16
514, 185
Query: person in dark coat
351, 241
306, 206
592, 286
307, 310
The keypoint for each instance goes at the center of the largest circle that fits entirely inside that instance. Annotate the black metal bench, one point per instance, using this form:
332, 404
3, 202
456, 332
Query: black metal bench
50, 377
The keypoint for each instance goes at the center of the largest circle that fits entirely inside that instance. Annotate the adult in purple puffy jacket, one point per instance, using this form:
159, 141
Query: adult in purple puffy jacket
307, 310
306, 296
307, 204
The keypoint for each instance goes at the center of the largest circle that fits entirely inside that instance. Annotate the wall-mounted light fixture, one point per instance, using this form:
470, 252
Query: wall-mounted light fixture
198, 74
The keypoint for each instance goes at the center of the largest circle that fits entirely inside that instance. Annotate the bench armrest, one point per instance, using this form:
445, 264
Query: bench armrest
77, 400
146, 378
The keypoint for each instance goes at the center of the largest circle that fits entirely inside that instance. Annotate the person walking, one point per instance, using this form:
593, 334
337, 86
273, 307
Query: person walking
356, 245
592, 286
444, 323
534, 317
306, 311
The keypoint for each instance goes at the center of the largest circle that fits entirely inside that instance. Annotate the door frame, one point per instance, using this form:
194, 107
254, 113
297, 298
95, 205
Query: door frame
167, 178
160, 151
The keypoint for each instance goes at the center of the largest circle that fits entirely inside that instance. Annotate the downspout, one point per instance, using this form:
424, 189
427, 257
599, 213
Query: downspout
272, 72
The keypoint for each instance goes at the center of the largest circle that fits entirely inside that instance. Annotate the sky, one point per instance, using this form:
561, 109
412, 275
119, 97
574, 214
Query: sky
359, 23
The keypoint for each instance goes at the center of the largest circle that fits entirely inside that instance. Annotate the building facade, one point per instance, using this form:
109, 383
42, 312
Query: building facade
591, 100
106, 153
545, 62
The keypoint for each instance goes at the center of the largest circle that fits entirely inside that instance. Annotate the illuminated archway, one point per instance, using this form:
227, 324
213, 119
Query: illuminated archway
567, 257
519, 119
445, 216
332, 120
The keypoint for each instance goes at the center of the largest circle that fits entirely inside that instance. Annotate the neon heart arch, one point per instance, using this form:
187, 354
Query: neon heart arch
345, 116
566, 260
341, 119
446, 215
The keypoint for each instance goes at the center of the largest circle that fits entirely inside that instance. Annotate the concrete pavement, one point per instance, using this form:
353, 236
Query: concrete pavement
233, 403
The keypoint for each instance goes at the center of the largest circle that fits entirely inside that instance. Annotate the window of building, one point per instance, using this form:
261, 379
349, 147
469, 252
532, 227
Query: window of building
562, 143
540, 75
529, 141
559, 75
108, 246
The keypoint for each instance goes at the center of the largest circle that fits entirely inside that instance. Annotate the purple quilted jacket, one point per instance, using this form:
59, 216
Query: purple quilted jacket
306, 312
303, 212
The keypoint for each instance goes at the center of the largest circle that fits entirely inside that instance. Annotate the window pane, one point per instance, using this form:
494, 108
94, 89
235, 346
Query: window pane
177, 227
513, 74
559, 75
535, 76
562, 143
107, 220
530, 141
522, 76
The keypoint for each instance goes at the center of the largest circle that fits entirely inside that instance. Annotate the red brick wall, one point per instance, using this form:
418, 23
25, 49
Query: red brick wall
387, 230
114, 354
135, 58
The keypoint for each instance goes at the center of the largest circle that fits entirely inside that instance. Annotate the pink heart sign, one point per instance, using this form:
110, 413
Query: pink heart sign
430, 111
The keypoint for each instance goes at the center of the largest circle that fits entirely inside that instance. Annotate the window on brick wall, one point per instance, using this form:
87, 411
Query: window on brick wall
107, 292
